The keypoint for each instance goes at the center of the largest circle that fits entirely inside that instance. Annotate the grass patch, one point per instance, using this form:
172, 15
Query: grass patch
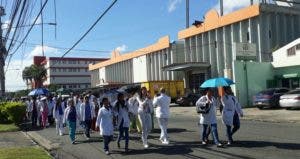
8, 127
23, 153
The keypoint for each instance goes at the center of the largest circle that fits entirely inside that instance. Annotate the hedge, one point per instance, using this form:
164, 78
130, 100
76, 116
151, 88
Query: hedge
12, 112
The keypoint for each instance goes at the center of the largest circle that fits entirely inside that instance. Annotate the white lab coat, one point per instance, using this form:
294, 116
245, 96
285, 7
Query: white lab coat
162, 104
82, 111
145, 105
230, 105
133, 105
210, 117
56, 115
105, 121
122, 114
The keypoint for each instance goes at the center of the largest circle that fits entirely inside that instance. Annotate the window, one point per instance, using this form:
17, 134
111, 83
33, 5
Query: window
74, 69
54, 69
70, 62
70, 70
64, 62
59, 70
86, 62
86, 70
298, 47
291, 51
64, 70
78, 62
248, 36
166, 56
270, 34
78, 70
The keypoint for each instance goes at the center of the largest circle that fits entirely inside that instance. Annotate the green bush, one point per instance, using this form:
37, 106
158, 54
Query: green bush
14, 111
3, 114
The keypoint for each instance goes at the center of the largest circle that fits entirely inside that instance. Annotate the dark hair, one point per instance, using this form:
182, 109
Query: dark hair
140, 92
206, 90
104, 99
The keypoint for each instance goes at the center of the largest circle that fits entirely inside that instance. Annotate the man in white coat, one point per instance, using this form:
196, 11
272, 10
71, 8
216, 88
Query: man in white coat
87, 113
162, 112
209, 117
230, 114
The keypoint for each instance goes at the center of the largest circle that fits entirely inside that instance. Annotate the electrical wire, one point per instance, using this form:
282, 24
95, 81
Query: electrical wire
85, 34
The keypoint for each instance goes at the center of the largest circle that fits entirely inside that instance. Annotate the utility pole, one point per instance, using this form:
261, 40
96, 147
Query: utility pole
3, 54
221, 7
187, 13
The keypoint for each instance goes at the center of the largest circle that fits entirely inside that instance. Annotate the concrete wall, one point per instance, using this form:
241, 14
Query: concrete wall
250, 78
140, 69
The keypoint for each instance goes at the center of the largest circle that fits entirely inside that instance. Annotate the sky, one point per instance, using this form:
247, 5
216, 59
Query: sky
128, 26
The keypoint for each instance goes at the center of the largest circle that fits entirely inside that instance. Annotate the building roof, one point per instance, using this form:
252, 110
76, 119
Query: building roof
77, 58
161, 44
214, 21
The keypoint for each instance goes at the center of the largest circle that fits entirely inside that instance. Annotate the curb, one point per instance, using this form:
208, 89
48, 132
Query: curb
45, 143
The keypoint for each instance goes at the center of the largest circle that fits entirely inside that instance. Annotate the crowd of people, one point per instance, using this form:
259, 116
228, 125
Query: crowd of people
129, 112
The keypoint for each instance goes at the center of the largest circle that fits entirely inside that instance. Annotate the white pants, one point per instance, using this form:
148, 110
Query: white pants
163, 124
59, 125
146, 124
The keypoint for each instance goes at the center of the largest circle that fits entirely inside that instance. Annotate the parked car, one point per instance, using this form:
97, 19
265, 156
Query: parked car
290, 99
269, 98
188, 100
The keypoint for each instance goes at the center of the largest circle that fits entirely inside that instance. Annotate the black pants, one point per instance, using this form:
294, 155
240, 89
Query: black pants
50, 120
34, 118
107, 140
87, 125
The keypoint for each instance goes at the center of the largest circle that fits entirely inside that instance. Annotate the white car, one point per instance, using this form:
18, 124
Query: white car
290, 99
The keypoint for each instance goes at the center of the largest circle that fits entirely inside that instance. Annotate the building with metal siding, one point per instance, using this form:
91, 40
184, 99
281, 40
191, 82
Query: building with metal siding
139, 66
267, 26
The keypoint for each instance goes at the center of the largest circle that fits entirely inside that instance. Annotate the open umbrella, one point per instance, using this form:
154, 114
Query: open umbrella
217, 82
38, 91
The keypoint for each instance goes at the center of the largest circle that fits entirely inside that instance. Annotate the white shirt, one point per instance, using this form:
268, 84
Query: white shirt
145, 105
133, 105
163, 106
122, 114
210, 117
56, 111
230, 105
105, 122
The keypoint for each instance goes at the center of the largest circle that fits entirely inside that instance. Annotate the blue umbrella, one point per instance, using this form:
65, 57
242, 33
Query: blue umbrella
39, 91
217, 82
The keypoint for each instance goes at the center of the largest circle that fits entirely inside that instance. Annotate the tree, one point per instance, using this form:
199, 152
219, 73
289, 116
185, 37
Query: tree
35, 74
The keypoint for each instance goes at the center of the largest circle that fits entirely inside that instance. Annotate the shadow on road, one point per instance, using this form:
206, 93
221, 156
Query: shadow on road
255, 144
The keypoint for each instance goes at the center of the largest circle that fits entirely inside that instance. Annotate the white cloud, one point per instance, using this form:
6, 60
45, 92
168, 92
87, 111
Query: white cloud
37, 51
14, 79
121, 48
173, 4
232, 5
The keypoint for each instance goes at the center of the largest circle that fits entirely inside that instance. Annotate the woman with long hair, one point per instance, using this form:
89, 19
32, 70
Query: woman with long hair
58, 114
144, 114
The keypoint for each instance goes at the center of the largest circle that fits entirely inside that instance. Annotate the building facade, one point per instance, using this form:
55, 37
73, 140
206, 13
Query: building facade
286, 63
139, 66
69, 73
225, 45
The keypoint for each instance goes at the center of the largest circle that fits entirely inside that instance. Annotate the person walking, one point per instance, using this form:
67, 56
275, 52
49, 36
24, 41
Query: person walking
34, 111
162, 111
87, 114
144, 114
44, 111
133, 106
231, 112
105, 124
51, 104
208, 117
96, 107
79, 124
58, 113
123, 122
70, 117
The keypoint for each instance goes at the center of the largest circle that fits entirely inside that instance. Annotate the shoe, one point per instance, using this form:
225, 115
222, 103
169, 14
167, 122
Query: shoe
118, 145
87, 138
229, 143
73, 142
107, 152
126, 150
146, 146
61, 134
165, 142
204, 143
219, 145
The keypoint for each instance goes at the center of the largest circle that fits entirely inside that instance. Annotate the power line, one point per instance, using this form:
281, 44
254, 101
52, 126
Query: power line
27, 33
84, 35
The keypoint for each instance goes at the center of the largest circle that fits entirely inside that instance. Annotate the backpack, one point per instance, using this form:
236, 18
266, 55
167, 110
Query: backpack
203, 109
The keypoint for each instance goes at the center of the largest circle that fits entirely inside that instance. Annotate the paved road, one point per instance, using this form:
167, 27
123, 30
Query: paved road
254, 140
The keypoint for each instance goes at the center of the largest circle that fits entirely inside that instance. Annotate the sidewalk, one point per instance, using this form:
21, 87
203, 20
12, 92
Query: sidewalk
14, 139
255, 114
